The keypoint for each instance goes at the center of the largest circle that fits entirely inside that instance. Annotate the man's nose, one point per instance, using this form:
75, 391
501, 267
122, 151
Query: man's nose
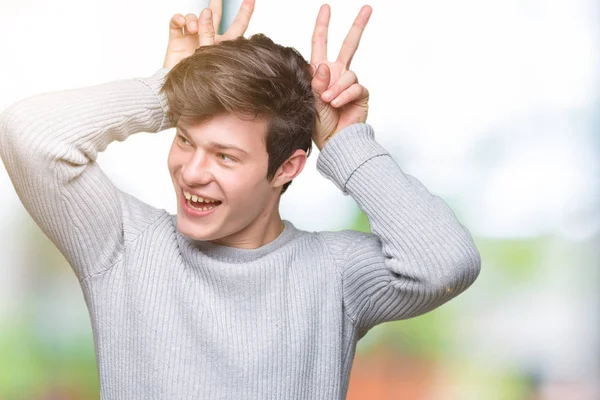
196, 171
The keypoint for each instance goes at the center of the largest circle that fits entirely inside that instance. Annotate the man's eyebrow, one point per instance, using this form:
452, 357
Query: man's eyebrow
221, 146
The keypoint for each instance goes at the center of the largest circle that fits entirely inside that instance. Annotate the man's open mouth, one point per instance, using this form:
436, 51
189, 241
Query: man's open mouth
200, 203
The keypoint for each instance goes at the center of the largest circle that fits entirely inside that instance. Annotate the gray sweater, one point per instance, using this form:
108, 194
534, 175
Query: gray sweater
174, 318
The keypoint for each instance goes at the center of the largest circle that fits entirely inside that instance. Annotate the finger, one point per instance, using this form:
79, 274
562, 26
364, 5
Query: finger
191, 24
320, 81
241, 21
207, 29
319, 39
347, 79
217, 9
175, 27
353, 38
352, 94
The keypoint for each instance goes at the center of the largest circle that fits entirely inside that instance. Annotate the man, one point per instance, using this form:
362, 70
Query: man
225, 300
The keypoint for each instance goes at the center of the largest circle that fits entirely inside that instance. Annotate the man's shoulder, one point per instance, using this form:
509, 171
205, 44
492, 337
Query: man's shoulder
139, 216
340, 241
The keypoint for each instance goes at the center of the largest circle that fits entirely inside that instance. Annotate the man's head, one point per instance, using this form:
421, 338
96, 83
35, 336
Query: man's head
245, 115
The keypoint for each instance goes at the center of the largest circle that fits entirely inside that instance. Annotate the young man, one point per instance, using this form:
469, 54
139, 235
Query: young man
225, 300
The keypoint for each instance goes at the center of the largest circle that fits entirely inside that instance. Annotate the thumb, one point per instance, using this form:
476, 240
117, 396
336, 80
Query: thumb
320, 81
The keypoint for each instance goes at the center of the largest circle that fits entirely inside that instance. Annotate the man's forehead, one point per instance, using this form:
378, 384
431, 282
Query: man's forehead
244, 119
227, 124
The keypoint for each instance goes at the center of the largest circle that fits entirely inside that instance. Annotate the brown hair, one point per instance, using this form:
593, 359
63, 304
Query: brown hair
251, 77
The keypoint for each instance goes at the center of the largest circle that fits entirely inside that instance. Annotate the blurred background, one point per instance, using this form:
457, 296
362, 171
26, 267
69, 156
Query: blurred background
494, 105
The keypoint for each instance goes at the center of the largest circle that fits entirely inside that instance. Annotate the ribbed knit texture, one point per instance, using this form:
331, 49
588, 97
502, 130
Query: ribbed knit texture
174, 318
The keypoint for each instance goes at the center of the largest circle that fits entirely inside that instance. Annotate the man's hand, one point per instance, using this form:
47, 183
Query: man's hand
188, 33
341, 100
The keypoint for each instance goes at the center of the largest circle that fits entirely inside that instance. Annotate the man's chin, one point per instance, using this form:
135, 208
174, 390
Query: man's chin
193, 231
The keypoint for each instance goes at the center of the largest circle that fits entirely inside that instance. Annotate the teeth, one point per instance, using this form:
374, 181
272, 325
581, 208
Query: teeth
196, 198
199, 208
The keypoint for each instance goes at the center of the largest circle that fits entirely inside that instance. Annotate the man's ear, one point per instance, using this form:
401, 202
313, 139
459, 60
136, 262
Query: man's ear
290, 168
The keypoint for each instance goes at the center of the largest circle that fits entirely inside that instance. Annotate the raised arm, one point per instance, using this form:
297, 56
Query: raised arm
49, 144
418, 255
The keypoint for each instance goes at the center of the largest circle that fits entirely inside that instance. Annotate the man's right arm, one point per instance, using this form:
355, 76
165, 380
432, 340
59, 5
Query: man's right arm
49, 144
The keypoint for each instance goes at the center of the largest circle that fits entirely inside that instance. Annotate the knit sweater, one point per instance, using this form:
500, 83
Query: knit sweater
176, 318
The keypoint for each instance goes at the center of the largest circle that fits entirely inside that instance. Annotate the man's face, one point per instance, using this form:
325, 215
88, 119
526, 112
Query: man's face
224, 162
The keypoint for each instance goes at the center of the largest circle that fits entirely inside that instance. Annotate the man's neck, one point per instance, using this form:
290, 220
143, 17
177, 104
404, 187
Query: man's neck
259, 233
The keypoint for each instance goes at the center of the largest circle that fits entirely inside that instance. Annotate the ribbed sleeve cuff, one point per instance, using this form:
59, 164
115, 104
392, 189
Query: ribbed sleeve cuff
346, 151
155, 83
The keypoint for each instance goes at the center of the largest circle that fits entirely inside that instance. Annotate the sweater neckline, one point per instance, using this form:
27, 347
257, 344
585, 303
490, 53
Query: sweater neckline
235, 254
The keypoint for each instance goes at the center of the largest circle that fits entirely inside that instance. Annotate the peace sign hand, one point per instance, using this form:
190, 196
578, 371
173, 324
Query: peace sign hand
341, 100
188, 33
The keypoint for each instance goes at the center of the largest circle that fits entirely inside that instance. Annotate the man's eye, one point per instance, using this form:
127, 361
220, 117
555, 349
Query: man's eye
183, 140
225, 157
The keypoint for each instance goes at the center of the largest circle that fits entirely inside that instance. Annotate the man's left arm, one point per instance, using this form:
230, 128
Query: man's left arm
418, 255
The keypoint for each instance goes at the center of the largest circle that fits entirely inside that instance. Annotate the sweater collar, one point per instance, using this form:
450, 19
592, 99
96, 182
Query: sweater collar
234, 254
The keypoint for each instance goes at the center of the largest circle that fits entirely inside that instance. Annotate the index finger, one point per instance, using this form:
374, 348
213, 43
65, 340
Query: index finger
241, 21
353, 38
318, 53
217, 11
206, 29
